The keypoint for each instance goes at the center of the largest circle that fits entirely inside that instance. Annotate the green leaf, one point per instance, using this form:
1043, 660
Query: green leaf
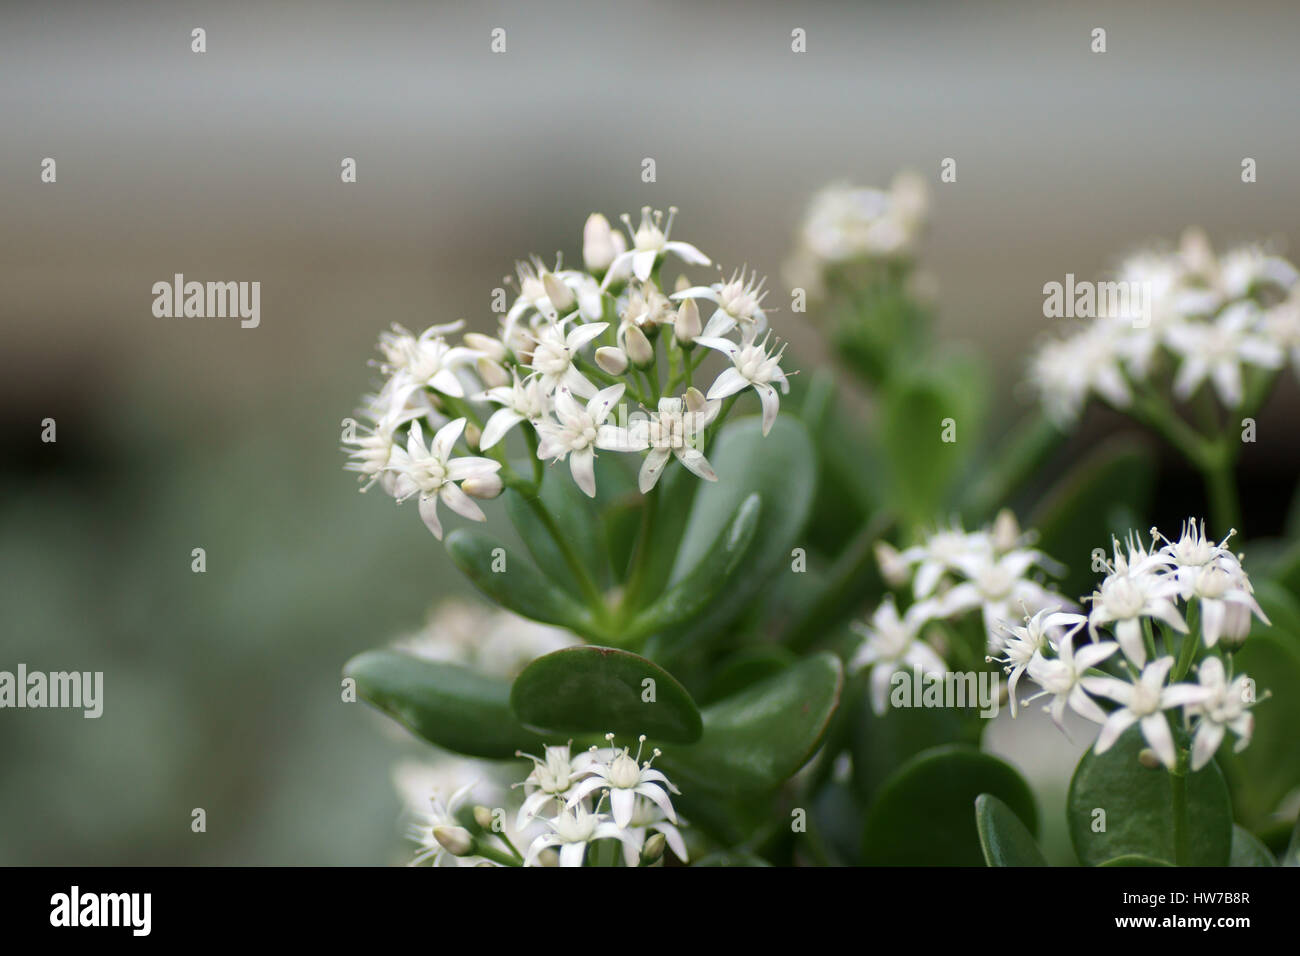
700, 588
451, 706
923, 465
514, 582
781, 469
573, 512
1267, 770
731, 858
923, 815
1248, 849
1138, 805
1134, 859
747, 666
602, 690
1003, 838
881, 743
1106, 494
758, 738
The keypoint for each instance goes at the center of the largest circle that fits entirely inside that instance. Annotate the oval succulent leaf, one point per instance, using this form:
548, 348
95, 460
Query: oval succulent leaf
758, 738
1117, 807
923, 815
448, 705
1003, 838
514, 582
601, 690
693, 593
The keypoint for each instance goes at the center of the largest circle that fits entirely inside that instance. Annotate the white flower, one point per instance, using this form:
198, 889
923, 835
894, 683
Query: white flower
1224, 708
1060, 678
1040, 632
580, 431
1217, 350
432, 473
572, 830
1131, 591
739, 302
1143, 702
552, 778
649, 242
601, 245
523, 401
891, 642
1281, 325
942, 552
752, 367
624, 778
1226, 602
1193, 552
675, 430
1065, 372
427, 360
554, 352
998, 586
647, 816
437, 828
847, 222
553, 293
1245, 270
643, 307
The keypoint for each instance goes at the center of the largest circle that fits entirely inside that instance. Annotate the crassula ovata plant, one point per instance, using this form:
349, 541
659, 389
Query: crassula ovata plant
726, 617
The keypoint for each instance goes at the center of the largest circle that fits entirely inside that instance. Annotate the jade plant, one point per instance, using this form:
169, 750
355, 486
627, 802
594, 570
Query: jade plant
732, 614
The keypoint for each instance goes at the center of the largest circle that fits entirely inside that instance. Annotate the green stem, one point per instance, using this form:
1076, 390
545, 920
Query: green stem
1221, 488
493, 854
1182, 828
641, 556
595, 599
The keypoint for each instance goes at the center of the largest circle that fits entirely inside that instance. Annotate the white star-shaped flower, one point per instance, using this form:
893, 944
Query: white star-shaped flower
624, 777
580, 430
1144, 702
1218, 349
554, 352
525, 400
1224, 708
572, 830
1040, 632
1060, 678
432, 473
891, 641
675, 430
739, 300
752, 366
649, 242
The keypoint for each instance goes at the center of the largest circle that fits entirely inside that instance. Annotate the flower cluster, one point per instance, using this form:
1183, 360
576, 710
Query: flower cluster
952, 572
585, 360
846, 224
571, 802
1188, 316
1135, 623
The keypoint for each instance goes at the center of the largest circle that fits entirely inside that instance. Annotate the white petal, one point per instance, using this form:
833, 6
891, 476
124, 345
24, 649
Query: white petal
461, 503
622, 802
771, 404
1156, 730
583, 465
728, 383
429, 512
502, 420
643, 262
445, 439
651, 469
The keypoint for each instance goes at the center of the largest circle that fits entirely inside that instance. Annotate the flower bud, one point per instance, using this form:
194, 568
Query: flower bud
455, 840
548, 857
638, 347
612, 360
687, 327
561, 295
1236, 625
598, 243
695, 400
483, 488
492, 374
1147, 758
1006, 531
892, 566
493, 348
483, 817
654, 848
473, 435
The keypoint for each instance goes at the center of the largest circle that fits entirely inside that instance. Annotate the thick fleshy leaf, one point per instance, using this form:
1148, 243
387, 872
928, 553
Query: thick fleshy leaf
451, 706
514, 582
578, 518
1105, 494
1134, 859
731, 858
1003, 838
924, 813
700, 588
915, 413
1267, 770
758, 738
881, 743
1118, 807
781, 469
747, 666
1249, 850
601, 690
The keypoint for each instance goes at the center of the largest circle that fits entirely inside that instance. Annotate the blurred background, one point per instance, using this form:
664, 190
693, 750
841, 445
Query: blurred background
222, 689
